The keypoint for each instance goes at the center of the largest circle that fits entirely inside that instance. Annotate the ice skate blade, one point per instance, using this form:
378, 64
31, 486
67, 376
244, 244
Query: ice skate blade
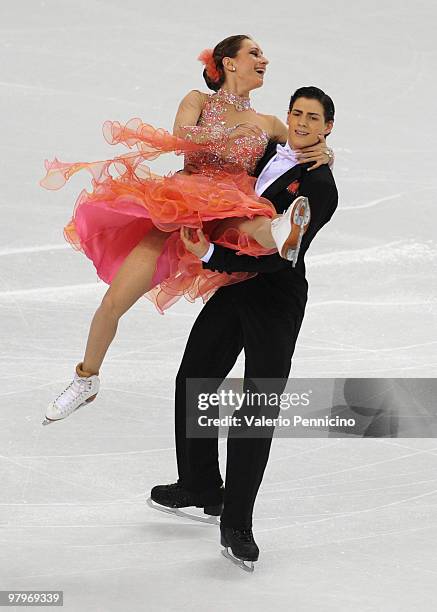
298, 215
50, 421
240, 562
88, 401
212, 520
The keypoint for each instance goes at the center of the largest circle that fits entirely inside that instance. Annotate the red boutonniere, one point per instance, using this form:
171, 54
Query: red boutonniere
293, 187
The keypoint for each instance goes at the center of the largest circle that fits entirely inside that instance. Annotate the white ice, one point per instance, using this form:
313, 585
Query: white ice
342, 524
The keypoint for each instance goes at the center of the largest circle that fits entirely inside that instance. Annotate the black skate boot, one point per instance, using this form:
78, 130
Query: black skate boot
242, 545
174, 496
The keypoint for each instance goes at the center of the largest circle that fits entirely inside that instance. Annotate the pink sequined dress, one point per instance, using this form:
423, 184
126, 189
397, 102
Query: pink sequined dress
109, 221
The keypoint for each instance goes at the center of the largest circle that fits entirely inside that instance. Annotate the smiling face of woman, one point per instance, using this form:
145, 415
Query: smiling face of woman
248, 67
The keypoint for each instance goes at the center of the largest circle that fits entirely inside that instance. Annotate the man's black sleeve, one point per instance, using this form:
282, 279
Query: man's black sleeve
227, 260
323, 199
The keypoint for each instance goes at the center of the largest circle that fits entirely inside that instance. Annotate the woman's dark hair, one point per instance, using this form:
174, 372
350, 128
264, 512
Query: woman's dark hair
314, 93
228, 47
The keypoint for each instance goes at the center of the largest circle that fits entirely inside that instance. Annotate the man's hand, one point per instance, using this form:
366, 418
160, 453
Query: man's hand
319, 153
198, 248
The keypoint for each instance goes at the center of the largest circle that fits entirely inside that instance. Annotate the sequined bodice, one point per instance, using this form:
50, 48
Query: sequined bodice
244, 153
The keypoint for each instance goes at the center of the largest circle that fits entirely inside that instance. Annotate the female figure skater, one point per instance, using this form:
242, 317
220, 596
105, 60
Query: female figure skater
131, 227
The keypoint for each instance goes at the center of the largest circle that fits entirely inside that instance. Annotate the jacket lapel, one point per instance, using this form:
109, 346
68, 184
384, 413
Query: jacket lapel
283, 181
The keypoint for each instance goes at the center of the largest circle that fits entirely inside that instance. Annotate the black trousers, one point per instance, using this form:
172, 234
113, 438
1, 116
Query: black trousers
249, 316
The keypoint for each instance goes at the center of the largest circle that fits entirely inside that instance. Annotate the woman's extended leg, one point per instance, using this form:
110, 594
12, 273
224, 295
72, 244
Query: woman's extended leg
259, 228
283, 232
132, 280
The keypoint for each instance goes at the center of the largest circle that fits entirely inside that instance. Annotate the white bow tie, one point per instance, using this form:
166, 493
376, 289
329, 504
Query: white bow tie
284, 152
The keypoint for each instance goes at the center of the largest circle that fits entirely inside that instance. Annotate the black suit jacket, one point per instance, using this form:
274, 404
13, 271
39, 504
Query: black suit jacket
320, 189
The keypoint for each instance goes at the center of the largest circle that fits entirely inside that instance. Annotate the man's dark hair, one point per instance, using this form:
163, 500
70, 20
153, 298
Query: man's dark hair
314, 93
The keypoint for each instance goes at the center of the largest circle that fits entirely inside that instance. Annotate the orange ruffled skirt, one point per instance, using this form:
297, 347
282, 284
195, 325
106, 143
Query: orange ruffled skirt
120, 211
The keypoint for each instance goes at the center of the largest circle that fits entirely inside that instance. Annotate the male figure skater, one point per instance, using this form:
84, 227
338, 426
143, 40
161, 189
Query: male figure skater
263, 316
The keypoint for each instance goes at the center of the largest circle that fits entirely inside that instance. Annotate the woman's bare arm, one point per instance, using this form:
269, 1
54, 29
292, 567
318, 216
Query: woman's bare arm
277, 130
189, 112
185, 125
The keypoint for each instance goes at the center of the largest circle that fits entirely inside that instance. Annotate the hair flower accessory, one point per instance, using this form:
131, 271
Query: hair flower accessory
206, 57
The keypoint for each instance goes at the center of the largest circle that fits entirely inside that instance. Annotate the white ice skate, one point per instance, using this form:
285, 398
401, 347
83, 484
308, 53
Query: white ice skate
80, 391
288, 229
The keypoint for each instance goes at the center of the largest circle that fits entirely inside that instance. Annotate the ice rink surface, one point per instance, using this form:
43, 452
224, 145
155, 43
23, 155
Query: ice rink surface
342, 524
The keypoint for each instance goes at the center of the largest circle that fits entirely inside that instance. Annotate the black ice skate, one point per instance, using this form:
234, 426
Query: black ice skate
243, 547
171, 498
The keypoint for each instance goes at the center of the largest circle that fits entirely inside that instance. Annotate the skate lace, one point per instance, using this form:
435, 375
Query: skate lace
244, 535
71, 393
182, 493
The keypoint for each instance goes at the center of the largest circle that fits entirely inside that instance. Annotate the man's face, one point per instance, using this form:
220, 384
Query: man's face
305, 121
